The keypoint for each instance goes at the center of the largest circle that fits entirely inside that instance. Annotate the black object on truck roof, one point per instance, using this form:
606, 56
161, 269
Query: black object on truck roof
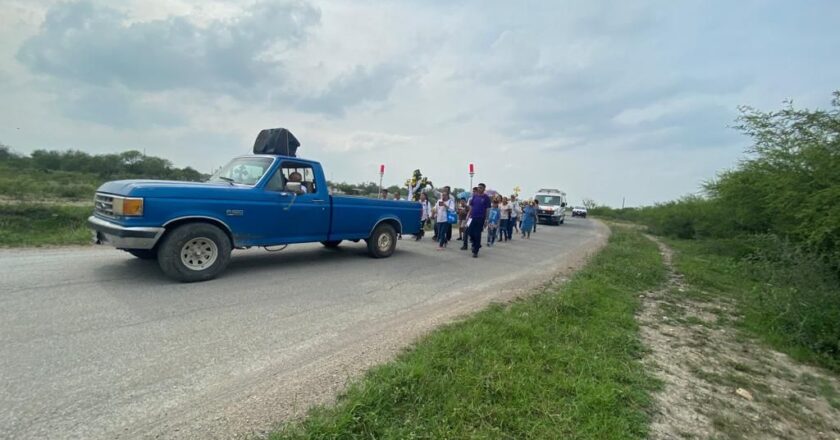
278, 141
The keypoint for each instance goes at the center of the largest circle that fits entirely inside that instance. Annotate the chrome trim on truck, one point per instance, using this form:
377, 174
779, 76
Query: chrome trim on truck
122, 237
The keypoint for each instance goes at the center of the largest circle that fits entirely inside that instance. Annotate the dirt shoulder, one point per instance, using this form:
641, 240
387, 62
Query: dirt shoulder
718, 382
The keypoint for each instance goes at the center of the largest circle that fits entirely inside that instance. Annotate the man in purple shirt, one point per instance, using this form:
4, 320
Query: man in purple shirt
479, 205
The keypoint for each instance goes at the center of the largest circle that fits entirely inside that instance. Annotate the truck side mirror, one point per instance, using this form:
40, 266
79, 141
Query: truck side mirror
563, 205
294, 187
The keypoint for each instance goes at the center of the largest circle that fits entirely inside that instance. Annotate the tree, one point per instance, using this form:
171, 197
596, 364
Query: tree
790, 184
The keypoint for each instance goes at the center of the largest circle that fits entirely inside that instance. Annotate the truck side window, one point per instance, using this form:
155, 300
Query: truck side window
297, 172
276, 182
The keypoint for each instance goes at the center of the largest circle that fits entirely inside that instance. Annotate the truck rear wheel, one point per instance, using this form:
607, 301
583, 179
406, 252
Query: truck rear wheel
194, 252
382, 241
332, 244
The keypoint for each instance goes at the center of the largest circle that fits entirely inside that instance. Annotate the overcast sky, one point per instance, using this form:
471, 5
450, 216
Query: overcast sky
602, 99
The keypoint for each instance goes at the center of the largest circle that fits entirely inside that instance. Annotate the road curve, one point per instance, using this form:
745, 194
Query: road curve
97, 344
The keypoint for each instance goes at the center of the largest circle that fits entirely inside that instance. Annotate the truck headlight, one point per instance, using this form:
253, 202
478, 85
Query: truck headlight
128, 206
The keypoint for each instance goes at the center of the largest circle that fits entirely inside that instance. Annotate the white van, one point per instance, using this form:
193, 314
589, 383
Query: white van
552, 209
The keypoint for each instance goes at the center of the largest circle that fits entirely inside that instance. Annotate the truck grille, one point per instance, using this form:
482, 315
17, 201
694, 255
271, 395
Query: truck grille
104, 205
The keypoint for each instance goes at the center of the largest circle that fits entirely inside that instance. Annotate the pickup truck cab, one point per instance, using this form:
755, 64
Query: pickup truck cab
260, 200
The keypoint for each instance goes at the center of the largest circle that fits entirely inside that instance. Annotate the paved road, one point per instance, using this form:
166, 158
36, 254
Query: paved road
97, 344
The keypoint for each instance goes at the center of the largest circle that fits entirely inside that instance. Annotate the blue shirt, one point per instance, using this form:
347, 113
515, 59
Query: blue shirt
495, 214
529, 211
479, 205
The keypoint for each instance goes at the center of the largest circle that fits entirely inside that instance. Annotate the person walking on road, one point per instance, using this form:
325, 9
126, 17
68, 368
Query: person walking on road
493, 219
515, 215
445, 207
529, 215
479, 205
463, 215
439, 195
425, 215
504, 206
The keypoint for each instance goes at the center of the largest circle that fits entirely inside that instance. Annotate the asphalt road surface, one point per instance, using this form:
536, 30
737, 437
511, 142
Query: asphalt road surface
97, 344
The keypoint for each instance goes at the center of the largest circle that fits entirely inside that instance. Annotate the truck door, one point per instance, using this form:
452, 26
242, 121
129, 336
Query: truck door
299, 215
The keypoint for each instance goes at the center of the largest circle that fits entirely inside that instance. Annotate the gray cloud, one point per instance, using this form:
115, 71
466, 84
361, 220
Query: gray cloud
637, 95
358, 86
95, 45
115, 107
102, 59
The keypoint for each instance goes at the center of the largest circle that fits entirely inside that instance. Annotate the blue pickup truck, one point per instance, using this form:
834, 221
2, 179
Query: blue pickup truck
258, 200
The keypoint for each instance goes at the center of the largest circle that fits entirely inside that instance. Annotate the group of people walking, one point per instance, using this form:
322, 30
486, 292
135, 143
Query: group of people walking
499, 215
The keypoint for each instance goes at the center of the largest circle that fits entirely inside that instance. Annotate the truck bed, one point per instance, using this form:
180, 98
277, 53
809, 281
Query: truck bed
354, 217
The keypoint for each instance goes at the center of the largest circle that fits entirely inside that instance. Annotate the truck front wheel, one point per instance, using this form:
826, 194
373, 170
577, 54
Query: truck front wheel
382, 241
194, 252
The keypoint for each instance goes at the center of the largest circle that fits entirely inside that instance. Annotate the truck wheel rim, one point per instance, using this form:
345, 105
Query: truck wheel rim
384, 242
199, 253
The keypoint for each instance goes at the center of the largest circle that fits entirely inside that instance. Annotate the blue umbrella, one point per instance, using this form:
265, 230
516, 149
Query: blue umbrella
464, 195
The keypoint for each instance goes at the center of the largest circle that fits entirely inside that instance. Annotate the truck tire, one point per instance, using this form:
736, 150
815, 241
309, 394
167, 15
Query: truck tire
143, 254
332, 244
382, 241
194, 252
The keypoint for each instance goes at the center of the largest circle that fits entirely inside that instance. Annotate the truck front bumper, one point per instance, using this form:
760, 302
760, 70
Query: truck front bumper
121, 237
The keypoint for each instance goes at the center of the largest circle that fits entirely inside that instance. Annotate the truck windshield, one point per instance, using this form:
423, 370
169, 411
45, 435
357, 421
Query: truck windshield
549, 200
243, 170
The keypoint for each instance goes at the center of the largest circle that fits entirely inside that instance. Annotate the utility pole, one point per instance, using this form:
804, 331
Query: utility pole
472, 173
622, 202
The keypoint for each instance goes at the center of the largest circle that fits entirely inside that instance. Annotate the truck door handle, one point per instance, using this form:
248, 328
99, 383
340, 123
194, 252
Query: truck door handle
319, 200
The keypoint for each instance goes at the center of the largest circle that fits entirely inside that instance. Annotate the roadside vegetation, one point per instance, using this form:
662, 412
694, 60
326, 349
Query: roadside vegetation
564, 363
767, 233
38, 225
74, 175
787, 298
46, 197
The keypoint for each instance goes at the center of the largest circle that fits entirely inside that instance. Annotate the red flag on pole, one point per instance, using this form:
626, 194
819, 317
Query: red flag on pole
472, 168
382, 169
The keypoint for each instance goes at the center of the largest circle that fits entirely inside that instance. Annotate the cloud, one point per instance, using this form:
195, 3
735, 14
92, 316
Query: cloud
101, 58
369, 141
94, 45
637, 96
116, 107
355, 87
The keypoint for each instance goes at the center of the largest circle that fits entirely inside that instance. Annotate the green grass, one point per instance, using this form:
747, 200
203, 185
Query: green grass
33, 184
564, 363
785, 300
37, 225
